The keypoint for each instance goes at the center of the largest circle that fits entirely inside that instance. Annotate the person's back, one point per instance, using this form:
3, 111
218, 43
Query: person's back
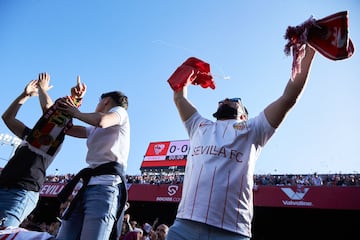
217, 197
221, 163
99, 204
25, 173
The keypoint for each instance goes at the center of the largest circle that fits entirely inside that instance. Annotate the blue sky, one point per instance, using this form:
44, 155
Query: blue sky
134, 46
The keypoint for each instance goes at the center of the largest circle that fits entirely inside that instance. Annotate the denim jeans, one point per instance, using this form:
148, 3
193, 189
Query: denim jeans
189, 230
93, 216
16, 204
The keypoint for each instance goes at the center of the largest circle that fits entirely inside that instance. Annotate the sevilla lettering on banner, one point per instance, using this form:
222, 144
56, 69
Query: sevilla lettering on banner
51, 189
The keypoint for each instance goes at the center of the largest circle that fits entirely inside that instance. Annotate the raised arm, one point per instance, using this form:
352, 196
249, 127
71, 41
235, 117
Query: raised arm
44, 85
9, 116
183, 105
183, 74
193, 71
276, 111
78, 92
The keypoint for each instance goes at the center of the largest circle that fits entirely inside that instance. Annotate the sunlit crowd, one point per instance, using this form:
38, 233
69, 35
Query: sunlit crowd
314, 179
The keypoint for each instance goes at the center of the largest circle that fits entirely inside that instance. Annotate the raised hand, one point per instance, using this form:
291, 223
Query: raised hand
31, 88
44, 81
79, 90
67, 105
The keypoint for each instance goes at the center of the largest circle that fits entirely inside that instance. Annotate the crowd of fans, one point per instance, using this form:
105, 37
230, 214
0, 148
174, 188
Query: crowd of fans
308, 179
131, 229
314, 179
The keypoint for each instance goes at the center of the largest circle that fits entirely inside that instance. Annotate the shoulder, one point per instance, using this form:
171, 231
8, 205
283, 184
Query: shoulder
121, 113
119, 110
196, 118
260, 120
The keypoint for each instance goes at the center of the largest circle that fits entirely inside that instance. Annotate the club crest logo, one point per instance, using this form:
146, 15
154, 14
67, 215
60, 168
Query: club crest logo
158, 148
239, 125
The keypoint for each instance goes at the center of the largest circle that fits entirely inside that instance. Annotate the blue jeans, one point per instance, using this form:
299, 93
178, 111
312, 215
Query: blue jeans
94, 215
189, 230
16, 204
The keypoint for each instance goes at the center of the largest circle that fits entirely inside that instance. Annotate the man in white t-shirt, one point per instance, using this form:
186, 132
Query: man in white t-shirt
217, 197
96, 211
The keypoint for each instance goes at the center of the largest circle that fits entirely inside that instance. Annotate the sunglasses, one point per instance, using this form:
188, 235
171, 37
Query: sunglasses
230, 100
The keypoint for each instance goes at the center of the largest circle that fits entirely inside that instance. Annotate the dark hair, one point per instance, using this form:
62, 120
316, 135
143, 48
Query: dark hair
118, 97
224, 111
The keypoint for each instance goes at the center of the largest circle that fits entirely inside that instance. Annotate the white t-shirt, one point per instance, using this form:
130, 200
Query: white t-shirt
218, 181
111, 144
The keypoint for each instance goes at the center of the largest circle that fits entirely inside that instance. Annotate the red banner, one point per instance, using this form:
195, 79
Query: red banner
51, 189
317, 197
320, 197
155, 193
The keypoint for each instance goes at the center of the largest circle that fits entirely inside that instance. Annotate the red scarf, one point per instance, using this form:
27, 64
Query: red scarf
329, 36
194, 71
